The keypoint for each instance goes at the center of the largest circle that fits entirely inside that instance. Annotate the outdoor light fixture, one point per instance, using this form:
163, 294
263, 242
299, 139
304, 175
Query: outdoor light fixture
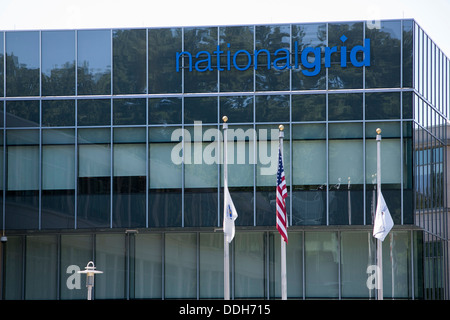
90, 272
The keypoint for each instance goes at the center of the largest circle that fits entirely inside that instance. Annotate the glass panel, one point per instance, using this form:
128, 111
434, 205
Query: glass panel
201, 181
22, 63
58, 113
14, 265
202, 109
294, 265
274, 108
22, 196
240, 165
391, 160
41, 254
129, 61
408, 106
94, 112
321, 264
129, 182
237, 109
94, 178
358, 252
58, 178
129, 111
249, 276
346, 175
76, 251
345, 106
384, 70
148, 266
2, 64
309, 175
22, 113
58, 63
180, 263
308, 35
408, 174
165, 197
383, 105
94, 62
165, 111
396, 265
408, 52
344, 75
211, 266
201, 42
231, 40
266, 170
272, 70
309, 107
162, 43
110, 258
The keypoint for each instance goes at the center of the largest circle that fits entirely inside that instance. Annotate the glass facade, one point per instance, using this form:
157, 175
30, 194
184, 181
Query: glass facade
112, 148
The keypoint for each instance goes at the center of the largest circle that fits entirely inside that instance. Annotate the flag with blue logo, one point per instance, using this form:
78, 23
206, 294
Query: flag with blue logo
229, 215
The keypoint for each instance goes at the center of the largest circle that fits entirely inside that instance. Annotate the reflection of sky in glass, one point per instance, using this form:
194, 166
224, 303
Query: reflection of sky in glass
94, 50
24, 46
58, 48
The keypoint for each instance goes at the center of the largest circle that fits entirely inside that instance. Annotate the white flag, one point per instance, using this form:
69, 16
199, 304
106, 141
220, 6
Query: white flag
229, 215
383, 220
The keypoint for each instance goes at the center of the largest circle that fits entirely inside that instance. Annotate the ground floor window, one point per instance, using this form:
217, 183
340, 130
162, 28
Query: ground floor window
321, 264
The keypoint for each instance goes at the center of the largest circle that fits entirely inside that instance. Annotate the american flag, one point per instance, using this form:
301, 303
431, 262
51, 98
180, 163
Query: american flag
281, 196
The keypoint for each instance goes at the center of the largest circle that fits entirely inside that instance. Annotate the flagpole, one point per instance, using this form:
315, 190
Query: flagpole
379, 242
283, 243
226, 247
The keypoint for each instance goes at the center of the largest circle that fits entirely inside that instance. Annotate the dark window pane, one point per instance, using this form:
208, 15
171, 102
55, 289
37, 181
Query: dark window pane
195, 41
165, 206
94, 62
22, 63
272, 108
129, 201
58, 113
58, 63
165, 110
309, 107
129, 111
94, 112
22, 113
348, 77
407, 105
384, 70
237, 109
162, 45
129, 61
239, 38
382, 105
345, 106
272, 38
199, 207
200, 109
407, 52
308, 35
2, 54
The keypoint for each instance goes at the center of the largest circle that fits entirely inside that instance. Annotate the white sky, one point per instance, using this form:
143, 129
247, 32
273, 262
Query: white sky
432, 15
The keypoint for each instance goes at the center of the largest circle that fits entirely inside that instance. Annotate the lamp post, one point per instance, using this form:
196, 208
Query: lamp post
90, 272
